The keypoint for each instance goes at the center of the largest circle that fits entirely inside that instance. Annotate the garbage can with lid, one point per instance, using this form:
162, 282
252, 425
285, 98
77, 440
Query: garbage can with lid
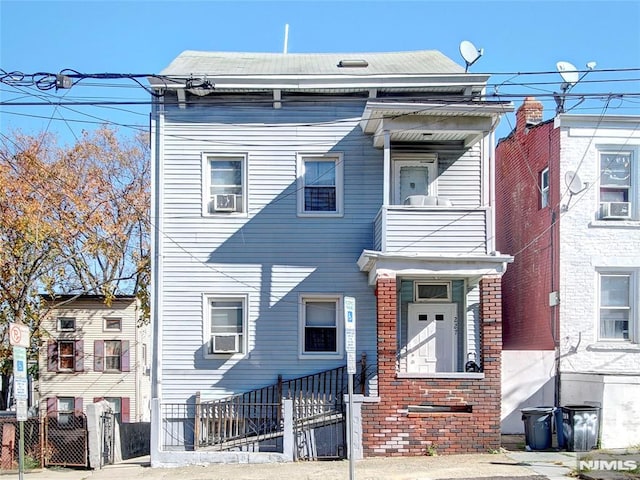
580, 427
537, 427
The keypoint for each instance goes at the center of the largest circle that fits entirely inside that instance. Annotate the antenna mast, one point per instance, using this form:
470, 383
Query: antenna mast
286, 38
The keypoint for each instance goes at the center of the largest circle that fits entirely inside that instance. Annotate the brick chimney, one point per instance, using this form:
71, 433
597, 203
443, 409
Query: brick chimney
528, 115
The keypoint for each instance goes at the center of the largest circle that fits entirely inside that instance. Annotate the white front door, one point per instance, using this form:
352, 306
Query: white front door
433, 336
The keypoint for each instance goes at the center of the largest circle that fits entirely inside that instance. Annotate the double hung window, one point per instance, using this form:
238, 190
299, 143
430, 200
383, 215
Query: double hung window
321, 332
225, 325
320, 185
225, 185
615, 185
616, 312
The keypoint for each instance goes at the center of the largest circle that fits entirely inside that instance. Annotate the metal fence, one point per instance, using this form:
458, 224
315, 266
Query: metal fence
33, 443
178, 426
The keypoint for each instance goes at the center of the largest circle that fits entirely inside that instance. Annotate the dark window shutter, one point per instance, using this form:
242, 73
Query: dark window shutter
52, 406
124, 356
98, 355
79, 360
125, 410
52, 356
77, 404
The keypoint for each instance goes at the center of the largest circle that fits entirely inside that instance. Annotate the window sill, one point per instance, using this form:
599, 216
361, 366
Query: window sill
452, 375
614, 224
320, 214
614, 346
321, 356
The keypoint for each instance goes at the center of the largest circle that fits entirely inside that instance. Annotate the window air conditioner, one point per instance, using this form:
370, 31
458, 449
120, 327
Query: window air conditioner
615, 210
225, 343
224, 202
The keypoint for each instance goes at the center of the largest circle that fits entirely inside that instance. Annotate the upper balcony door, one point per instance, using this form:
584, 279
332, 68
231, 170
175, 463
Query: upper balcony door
414, 175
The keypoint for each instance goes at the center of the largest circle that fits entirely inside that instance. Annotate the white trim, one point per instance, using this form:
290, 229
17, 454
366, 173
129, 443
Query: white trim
418, 159
338, 159
417, 299
207, 298
59, 327
634, 295
321, 297
206, 183
104, 324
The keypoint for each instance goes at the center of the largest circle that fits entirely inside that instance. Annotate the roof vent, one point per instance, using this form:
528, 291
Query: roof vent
353, 63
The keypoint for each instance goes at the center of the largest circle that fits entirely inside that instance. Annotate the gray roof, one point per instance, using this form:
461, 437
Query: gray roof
421, 62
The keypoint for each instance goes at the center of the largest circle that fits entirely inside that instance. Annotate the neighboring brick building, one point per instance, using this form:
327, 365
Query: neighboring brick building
568, 209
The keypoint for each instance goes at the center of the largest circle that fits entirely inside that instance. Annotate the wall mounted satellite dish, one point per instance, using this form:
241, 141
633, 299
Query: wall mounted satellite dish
469, 53
574, 184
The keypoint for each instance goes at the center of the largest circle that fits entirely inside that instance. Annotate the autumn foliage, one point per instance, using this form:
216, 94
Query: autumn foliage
72, 220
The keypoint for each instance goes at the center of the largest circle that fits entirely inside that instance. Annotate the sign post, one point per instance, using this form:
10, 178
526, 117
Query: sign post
19, 338
350, 348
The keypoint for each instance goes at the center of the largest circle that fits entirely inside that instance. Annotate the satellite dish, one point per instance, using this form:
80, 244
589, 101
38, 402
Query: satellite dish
568, 72
469, 53
574, 184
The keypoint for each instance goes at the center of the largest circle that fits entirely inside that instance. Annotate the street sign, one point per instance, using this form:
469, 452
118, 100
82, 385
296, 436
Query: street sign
350, 333
19, 362
19, 335
21, 410
20, 389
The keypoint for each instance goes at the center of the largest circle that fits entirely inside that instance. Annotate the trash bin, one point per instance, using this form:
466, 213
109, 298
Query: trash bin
580, 427
557, 417
537, 427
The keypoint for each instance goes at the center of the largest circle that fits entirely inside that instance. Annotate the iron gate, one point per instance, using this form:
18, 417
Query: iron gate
65, 440
108, 424
319, 430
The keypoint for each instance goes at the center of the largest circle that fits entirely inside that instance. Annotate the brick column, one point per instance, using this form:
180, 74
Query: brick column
491, 348
387, 327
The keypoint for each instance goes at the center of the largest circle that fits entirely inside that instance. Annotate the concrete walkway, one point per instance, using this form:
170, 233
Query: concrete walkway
515, 465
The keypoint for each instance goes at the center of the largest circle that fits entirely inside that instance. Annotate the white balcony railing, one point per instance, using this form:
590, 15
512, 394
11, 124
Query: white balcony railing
432, 230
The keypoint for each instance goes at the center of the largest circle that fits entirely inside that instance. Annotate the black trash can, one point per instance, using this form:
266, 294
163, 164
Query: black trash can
580, 427
537, 427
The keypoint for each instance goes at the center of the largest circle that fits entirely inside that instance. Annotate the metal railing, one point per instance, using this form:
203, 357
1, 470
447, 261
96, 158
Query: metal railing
254, 420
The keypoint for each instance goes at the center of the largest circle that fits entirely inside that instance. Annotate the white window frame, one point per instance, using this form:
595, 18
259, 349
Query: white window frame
338, 160
418, 299
59, 324
632, 189
634, 296
207, 198
544, 188
106, 328
207, 298
321, 297
417, 159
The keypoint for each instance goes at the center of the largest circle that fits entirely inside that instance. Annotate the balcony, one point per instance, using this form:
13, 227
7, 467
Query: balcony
432, 230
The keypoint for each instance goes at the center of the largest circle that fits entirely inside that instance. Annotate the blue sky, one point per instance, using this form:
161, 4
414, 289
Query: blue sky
136, 36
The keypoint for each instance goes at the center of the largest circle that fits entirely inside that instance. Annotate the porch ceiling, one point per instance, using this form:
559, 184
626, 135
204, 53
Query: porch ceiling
377, 263
418, 122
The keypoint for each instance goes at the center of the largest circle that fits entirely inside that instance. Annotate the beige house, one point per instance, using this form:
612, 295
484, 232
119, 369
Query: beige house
94, 351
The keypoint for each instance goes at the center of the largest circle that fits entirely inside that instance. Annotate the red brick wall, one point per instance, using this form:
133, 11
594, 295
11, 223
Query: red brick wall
387, 427
523, 230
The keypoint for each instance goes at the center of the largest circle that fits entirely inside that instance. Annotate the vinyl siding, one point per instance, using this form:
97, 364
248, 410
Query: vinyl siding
269, 254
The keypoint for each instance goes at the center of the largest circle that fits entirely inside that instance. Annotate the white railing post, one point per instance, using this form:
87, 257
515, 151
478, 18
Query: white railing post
288, 440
